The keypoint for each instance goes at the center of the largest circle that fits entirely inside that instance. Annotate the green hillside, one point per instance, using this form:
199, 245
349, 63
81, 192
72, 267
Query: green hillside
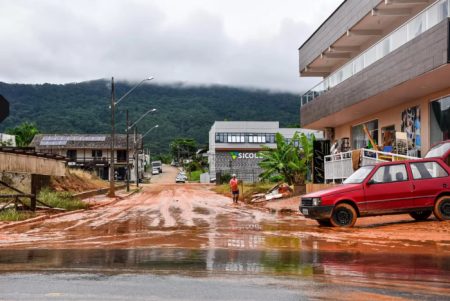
182, 111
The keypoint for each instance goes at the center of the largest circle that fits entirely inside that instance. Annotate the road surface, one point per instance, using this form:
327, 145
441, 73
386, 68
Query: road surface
188, 238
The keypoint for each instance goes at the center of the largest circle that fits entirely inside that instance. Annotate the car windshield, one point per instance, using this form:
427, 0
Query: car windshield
438, 151
358, 176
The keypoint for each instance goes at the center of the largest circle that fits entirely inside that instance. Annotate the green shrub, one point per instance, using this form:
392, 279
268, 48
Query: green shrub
11, 215
194, 176
225, 178
64, 200
276, 179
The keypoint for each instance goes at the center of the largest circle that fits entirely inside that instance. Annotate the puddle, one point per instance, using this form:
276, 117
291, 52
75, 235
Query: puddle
217, 261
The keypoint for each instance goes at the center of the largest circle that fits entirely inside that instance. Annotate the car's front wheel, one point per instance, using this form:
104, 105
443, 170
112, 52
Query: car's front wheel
442, 208
420, 215
344, 215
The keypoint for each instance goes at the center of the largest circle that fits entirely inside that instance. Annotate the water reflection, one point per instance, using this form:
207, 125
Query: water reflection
216, 261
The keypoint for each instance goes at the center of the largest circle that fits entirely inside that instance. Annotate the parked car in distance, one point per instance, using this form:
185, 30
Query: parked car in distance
180, 179
158, 165
155, 171
418, 187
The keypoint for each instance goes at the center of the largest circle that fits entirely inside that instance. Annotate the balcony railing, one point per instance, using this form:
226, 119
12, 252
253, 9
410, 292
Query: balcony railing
425, 20
339, 167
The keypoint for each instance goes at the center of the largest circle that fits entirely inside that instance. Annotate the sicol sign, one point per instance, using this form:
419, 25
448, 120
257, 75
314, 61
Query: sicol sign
244, 155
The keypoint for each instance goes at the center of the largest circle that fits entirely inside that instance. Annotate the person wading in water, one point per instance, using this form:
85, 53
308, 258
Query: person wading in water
234, 188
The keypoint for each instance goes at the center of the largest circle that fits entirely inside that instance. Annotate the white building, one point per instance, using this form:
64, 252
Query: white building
234, 146
7, 140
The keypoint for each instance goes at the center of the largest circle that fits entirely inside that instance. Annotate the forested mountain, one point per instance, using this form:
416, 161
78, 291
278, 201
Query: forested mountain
183, 111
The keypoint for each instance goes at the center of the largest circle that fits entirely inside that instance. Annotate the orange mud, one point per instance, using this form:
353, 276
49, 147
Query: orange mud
166, 214
379, 252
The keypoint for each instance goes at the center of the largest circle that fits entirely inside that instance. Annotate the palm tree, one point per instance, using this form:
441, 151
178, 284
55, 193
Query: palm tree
291, 160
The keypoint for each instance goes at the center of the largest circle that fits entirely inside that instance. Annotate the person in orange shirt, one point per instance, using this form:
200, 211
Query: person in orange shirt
234, 188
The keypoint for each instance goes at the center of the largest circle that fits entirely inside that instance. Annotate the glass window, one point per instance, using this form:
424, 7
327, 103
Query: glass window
72, 154
383, 48
358, 64
440, 120
399, 37
417, 26
347, 71
427, 170
437, 13
370, 56
96, 153
359, 176
359, 137
390, 173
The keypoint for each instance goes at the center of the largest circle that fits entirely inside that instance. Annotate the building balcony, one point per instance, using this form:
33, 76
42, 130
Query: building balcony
386, 75
353, 27
411, 30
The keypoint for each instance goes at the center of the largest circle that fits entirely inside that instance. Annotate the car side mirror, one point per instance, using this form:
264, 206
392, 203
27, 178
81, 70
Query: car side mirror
371, 181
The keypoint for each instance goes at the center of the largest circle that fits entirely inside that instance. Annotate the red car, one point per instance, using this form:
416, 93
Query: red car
418, 187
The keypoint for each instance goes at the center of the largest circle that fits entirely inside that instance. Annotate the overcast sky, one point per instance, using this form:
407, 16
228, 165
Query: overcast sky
250, 43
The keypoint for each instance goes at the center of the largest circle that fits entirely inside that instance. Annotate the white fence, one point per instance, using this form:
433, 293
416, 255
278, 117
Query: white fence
338, 167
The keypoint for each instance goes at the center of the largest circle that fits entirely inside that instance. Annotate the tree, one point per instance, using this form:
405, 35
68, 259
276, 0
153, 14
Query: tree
291, 160
24, 133
183, 148
307, 151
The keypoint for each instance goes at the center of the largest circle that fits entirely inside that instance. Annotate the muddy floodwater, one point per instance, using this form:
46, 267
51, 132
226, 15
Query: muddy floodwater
185, 242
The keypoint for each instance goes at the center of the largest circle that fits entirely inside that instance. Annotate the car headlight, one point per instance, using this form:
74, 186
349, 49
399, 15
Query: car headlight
316, 201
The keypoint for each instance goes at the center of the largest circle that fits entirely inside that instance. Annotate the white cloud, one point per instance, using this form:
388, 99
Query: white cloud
246, 43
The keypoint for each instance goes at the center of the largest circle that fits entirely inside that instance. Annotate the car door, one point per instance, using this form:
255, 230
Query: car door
430, 178
389, 189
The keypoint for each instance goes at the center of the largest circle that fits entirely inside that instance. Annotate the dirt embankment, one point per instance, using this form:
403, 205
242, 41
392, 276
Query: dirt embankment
77, 180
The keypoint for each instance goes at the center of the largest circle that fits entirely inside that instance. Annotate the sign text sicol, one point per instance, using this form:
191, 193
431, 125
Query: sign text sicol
248, 156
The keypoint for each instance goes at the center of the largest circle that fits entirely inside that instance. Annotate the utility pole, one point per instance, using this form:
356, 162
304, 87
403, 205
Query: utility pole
128, 155
137, 155
111, 193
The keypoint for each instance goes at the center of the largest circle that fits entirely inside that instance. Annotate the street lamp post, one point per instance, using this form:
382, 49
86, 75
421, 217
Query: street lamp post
113, 106
111, 164
135, 137
136, 143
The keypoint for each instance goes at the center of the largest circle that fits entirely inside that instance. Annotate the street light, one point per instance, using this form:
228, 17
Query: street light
113, 105
128, 148
136, 143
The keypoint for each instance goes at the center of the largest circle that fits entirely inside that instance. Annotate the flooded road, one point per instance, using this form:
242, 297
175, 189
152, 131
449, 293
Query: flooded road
190, 237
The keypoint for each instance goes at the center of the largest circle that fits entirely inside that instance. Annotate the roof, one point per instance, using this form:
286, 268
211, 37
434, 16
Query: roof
29, 152
83, 141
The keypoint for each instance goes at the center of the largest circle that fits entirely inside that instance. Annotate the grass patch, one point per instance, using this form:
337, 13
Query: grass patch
11, 215
61, 199
249, 189
194, 176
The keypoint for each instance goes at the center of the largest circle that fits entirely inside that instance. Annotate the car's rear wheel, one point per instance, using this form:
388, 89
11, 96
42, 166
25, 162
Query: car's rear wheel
420, 215
324, 222
442, 208
344, 215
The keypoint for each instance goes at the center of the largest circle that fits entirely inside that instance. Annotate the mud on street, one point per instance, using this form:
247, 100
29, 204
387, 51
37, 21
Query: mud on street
188, 229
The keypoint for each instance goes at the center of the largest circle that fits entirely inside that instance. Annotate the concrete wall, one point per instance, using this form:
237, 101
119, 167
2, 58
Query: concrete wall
418, 56
350, 12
